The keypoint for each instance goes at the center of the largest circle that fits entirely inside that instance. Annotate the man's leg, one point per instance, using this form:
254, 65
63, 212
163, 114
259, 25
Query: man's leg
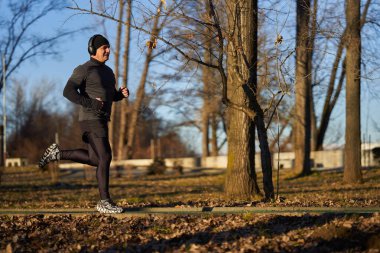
102, 149
54, 153
80, 156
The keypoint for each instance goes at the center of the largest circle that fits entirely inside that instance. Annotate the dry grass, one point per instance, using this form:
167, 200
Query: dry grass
28, 187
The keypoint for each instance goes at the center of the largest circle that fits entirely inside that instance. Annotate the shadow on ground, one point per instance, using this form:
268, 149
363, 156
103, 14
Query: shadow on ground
326, 240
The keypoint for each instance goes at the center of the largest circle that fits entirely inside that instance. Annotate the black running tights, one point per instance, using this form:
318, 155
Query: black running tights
99, 154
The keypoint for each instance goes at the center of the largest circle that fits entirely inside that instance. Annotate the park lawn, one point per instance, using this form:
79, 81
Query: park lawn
29, 188
332, 232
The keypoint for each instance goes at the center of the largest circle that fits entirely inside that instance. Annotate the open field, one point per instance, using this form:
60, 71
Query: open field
331, 232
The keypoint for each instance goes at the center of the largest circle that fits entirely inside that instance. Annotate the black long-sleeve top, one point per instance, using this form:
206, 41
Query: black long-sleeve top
89, 81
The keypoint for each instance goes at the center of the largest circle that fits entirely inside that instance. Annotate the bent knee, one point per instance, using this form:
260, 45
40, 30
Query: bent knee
106, 158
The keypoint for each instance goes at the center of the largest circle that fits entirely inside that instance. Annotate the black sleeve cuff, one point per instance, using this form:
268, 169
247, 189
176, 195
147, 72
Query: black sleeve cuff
118, 95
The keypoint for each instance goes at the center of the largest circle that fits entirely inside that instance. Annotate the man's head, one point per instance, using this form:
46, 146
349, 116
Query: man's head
99, 48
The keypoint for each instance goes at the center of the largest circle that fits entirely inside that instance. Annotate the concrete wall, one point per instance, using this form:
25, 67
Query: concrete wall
133, 163
320, 159
328, 159
16, 162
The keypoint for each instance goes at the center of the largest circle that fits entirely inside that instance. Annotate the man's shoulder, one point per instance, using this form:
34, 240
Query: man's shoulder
81, 70
83, 66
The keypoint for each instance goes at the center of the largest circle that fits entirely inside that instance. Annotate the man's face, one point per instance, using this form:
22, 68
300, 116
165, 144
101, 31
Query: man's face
102, 53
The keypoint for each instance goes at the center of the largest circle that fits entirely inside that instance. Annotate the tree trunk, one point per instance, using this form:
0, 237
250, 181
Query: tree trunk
117, 61
302, 131
352, 151
214, 137
141, 88
241, 176
313, 124
207, 84
313, 32
206, 103
124, 103
205, 129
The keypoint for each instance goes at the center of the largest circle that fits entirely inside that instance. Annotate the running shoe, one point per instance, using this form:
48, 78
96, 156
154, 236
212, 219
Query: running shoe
52, 153
108, 206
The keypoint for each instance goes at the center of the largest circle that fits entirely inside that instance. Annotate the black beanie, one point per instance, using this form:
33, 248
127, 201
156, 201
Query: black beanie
99, 41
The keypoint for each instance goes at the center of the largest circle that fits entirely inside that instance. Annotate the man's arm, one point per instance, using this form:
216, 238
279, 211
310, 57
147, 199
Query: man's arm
71, 90
123, 92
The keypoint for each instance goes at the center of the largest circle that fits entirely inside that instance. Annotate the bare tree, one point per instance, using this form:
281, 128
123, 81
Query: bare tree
151, 44
124, 104
334, 90
241, 128
206, 79
18, 43
117, 52
352, 150
302, 123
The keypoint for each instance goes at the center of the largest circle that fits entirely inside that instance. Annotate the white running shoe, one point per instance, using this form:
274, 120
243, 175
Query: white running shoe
108, 206
52, 153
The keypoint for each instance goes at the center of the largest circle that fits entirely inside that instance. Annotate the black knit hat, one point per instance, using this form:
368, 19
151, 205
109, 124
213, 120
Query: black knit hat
95, 42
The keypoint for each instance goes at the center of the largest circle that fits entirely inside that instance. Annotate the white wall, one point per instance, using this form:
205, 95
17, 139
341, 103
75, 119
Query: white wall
328, 159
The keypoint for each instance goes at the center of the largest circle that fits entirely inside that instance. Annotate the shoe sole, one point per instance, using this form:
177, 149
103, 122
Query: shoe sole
46, 154
104, 210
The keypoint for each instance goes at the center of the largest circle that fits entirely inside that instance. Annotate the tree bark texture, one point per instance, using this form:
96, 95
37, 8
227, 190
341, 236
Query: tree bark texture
241, 176
302, 121
122, 140
313, 32
352, 151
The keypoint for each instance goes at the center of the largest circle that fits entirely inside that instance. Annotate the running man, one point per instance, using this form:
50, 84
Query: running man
92, 85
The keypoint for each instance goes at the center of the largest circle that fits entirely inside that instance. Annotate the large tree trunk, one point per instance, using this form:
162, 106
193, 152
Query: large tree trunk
112, 125
352, 151
241, 176
124, 103
141, 88
302, 124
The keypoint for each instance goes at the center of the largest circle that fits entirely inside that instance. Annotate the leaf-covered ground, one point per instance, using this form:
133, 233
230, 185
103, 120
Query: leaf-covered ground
228, 233
29, 188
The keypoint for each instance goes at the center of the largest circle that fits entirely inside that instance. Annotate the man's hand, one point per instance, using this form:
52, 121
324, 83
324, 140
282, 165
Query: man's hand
99, 99
124, 91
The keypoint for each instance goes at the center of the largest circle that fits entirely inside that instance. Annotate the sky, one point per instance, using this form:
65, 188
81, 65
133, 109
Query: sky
74, 52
